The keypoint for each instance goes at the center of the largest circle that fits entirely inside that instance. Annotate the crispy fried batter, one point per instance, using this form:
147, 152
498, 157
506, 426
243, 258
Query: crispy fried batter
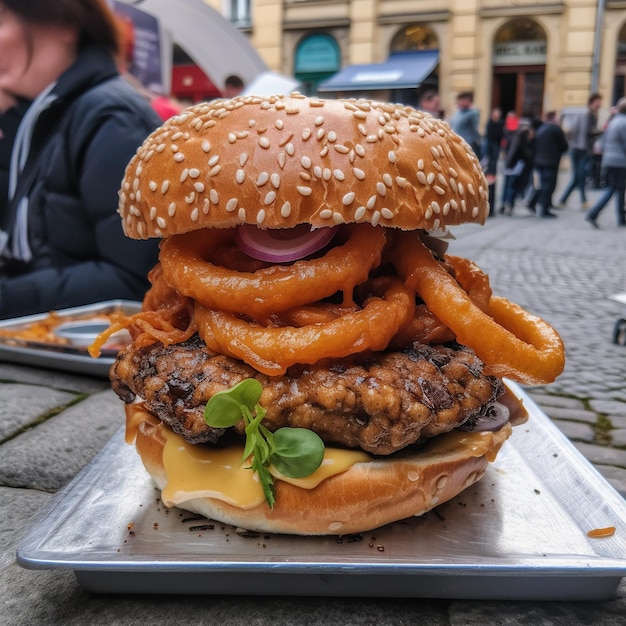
380, 402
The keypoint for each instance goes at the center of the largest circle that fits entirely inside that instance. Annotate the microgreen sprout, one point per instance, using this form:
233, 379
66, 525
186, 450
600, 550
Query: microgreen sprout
294, 452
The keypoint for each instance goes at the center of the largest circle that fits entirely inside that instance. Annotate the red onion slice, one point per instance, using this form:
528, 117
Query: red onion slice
497, 416
282, 245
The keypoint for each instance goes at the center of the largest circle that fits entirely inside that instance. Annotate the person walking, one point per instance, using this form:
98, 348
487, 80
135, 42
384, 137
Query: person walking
465, 120
518, 165
549, 146
61, 240
614, 160
582, 134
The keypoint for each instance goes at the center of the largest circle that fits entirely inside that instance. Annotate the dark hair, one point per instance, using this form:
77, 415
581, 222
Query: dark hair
95, 21
429, 94
234, 81
593, 97
469, 95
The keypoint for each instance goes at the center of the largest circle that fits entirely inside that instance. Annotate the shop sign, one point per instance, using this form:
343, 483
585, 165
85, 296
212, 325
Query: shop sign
520, 53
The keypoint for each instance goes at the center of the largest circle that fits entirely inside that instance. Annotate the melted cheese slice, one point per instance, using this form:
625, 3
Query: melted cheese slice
201, 472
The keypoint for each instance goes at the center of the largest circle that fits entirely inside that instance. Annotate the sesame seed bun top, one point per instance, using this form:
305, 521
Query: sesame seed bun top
282, 161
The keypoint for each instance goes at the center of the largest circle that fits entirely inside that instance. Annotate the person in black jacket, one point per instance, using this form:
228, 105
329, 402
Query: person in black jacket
518, 165
549, 146
61, 239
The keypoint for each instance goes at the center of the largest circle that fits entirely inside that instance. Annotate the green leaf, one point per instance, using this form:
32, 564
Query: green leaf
225, 408
298, 452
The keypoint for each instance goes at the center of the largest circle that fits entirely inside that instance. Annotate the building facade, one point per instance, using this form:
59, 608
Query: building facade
530, 57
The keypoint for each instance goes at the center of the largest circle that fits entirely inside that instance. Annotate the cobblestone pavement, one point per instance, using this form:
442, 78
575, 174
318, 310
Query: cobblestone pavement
565, 271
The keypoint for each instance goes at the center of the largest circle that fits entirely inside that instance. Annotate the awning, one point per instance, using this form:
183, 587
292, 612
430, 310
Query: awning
401, 70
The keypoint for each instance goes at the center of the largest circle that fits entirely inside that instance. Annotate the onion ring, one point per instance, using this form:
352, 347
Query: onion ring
273, 350
510, 341
425, 327
274, 289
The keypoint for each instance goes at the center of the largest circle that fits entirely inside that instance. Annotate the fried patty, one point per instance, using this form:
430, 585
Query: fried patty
380, 402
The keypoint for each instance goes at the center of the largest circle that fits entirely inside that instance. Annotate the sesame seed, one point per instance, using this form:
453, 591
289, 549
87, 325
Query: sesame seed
183, 175
241, 214
338, 218
213, 160
341, 148
199, 187
275, 180
388, 180
324, 151
306, 134
386, 213
421, 177
243, 158
214, 197
454, 205
326, 174
305, 161
439, 190
392, 156
152, 185
320, 134
371, 138
437, 224
461, 189
262, 178
289, 149
205, 206
304, 191
206, 146
435, 206
358, 173
195, 214
174, 147
428, 213
475, 211
232, 138
420, 164
442, 180
430, 179
285, 210
319, 120
305, 176
470, 188
381, 189
339, 175
452, 172
161, 222
260, 216
279, 124
270, 196
171, 209
446, 208
371, 203
359, 149
240, 176
401, 181
231, 205
332, 136
361, 115
179, 157
190, 197
359, 214
326, 214
348, 198
264, 142
282, 159
165, 185
214, 171
152, 213
194, 172
463, 206
317, 171
375, 218
140, 229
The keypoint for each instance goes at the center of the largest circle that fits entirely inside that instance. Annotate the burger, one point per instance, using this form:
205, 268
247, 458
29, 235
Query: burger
309, 358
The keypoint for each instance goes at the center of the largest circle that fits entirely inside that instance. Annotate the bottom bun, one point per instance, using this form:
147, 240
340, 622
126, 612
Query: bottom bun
366, 496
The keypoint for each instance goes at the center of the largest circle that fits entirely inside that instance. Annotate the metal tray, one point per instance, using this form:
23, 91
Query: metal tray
68, 358
520, 533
